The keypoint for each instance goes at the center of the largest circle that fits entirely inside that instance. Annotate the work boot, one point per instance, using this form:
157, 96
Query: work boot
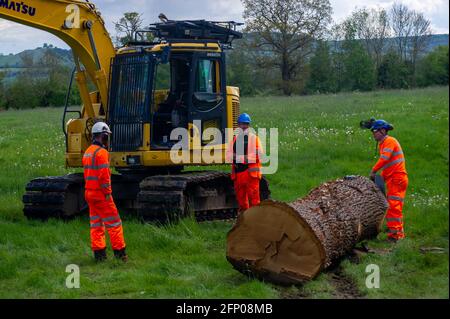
121, 254
100, 255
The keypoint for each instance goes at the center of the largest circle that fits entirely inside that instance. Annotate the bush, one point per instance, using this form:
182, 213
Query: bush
22, 93
394, 73
43, 90
322, 79
359, 69
433, 69
2, 92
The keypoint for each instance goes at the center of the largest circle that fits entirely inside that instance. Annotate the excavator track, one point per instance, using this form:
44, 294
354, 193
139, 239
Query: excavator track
207, 195
54, 196
63, 196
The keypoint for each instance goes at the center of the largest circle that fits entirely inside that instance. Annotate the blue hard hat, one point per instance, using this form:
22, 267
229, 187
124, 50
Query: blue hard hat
244, 118
380, 124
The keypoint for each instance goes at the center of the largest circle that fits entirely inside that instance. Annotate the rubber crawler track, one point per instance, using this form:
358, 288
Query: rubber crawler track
207, 195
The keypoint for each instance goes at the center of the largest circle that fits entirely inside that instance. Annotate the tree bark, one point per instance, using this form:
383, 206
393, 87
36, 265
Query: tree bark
291, 243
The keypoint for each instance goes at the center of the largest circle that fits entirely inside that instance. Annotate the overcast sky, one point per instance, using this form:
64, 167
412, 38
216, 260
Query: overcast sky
15, 38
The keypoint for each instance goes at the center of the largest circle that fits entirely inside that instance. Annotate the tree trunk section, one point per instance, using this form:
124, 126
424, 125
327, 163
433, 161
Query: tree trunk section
291, 243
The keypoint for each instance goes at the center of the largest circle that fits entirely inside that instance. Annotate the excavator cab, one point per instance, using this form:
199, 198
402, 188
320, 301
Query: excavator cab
168, 84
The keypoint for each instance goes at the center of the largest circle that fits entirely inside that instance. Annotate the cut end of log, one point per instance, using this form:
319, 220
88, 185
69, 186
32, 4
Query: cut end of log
274, 242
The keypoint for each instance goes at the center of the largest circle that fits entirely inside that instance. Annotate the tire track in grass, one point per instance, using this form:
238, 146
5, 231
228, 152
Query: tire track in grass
345, 286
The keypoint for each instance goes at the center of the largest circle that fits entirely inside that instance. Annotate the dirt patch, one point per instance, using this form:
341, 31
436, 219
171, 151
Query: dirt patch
293, 293
345, 287
434, 250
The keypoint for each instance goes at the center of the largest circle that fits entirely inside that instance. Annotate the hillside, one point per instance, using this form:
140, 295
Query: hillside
15, 61
13, 64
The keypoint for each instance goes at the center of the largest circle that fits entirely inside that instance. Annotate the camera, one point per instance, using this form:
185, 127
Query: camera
367, 124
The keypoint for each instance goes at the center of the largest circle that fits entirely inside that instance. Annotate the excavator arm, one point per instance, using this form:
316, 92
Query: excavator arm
79, 24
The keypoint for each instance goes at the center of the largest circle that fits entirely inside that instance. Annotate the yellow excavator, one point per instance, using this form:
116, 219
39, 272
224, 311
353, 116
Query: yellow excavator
144, 91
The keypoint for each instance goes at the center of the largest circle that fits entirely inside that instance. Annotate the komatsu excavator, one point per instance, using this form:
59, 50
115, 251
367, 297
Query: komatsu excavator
143, 91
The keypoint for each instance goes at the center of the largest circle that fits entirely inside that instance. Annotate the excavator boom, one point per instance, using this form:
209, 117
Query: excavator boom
77, 23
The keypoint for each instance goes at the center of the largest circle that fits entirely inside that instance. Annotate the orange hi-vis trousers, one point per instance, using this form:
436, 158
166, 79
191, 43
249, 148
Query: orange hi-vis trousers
246, 188
103, 214
396, 186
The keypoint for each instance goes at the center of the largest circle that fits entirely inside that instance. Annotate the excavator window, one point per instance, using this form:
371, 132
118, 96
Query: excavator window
206, 78
172, 112
162, 78
206, 95
168, 95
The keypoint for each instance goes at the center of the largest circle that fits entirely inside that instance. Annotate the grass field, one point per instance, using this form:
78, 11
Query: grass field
319, 140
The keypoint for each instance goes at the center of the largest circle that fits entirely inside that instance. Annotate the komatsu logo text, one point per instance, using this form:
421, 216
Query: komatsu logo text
17, 6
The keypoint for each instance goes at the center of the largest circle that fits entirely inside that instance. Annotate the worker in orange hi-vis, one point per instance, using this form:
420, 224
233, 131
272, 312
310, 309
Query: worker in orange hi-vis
245, 152
392, 164
98, 194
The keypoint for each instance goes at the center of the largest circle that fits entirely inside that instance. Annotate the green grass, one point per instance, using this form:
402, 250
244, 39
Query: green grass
319, 140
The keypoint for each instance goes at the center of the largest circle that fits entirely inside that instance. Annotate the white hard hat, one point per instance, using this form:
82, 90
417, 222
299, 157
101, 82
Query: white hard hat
100, 127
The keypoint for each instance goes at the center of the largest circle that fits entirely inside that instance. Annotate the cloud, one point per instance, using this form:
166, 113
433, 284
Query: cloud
435, 10
15, 37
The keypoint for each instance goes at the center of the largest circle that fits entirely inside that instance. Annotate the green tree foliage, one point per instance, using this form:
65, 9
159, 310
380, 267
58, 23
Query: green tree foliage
283, 32
41, 84
23, 93
433, 69
322, 78
244, 71
359, 69
2, 91
241, 75
394, 72
127, 26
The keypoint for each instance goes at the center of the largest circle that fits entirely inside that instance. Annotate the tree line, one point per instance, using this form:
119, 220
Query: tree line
292, 47
38, 83
289, 47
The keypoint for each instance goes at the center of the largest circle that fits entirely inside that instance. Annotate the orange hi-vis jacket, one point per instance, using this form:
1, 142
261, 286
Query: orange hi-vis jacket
96, 170
392, 160
251, 159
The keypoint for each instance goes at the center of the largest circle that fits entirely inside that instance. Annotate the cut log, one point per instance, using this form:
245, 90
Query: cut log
291, 243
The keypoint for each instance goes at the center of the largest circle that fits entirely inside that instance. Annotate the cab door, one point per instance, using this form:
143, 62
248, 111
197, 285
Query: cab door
208, 92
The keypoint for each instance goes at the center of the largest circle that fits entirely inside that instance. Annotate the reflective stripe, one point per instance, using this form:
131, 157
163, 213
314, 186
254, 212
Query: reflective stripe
108, 219
387, 150
397, 153
92, 178
87, 155
395, 198
100, 224
114, 225
393, 162
384, 157
94, 217
394, 219
105, 185
93, 156
96, 166
254, 169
